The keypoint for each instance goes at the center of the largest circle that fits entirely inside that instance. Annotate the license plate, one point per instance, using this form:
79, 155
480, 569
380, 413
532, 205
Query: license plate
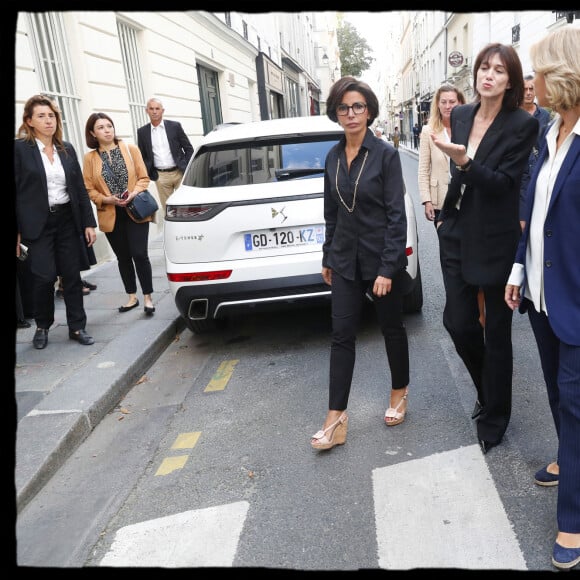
280, 238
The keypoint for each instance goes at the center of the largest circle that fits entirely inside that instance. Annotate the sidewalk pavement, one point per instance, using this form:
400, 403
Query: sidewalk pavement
64, 390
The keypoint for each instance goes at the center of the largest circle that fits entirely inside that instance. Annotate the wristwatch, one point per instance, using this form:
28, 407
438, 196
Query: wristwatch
466, 166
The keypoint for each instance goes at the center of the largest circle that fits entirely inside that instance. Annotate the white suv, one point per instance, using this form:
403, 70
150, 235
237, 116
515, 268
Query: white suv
245, 229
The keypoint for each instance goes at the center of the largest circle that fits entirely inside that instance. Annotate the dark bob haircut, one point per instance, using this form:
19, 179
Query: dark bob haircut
91, 140
513, 96
344, 85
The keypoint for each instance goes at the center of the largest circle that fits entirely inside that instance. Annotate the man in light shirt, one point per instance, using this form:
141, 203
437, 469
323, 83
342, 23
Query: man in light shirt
165, 148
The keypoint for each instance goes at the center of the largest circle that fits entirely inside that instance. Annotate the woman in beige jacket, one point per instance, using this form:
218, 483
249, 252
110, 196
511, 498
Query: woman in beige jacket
433, 163
434, 170
114, 173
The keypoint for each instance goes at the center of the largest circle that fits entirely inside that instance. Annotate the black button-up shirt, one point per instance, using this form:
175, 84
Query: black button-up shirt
374, 235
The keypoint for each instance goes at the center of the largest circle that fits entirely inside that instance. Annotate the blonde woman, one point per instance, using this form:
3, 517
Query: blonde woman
434, 171
545, 277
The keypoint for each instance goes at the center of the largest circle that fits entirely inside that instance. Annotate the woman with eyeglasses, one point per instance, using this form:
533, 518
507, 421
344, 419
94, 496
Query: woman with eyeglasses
363, 253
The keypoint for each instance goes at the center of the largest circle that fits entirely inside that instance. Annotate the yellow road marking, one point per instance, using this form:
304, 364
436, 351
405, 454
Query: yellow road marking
222, 376
170, 464
186, 440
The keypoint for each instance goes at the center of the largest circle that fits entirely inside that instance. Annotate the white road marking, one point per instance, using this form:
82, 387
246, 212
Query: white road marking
443, 511
197, 538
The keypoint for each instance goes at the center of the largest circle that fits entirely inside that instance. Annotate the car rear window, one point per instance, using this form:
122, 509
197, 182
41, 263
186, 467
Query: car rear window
263, 161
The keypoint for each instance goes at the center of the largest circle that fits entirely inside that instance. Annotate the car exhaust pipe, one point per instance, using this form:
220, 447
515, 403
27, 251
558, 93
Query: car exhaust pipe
198, 309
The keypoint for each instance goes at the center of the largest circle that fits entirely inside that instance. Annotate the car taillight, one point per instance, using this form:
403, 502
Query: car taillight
199, 276
189, 212
409, 250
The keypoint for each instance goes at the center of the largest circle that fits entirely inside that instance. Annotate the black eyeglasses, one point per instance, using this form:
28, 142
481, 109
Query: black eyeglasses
357, 109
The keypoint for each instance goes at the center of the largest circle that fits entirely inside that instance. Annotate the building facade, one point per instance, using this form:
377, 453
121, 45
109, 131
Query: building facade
207, 68
213, 68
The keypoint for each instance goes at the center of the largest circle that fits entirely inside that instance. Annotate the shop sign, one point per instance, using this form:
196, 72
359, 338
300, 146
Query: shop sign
455, 58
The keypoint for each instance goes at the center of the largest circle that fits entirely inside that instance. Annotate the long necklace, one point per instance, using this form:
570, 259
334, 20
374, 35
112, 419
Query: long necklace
350, 209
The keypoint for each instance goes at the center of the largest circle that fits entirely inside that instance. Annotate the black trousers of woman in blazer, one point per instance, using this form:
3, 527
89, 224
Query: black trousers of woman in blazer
490, 366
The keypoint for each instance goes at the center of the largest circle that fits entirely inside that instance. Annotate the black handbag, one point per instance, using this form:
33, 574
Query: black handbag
142, 206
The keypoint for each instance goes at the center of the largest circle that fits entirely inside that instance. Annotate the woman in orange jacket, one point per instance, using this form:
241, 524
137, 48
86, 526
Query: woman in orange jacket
114, 173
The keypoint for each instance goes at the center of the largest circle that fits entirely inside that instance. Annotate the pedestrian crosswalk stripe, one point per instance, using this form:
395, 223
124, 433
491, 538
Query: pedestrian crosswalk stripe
443, 511
193, 539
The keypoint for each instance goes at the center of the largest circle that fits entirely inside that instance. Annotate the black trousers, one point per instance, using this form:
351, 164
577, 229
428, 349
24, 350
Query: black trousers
129, 241
347, 299
57, 251
487, 354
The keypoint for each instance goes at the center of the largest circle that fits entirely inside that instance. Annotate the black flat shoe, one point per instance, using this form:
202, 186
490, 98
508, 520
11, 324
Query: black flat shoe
22, 323
81, 337
476, 410
149, 310
88, 285
127, 308
40, 339
487, 445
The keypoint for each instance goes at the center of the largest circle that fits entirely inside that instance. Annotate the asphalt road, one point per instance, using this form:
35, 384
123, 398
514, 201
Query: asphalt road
206, 462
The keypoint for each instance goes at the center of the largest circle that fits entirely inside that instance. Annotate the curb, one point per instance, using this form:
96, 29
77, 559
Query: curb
50, 434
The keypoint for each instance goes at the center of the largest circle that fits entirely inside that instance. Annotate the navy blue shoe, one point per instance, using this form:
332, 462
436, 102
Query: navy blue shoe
565, 558
545, 478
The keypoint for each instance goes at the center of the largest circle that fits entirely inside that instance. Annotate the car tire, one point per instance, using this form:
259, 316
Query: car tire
413, 301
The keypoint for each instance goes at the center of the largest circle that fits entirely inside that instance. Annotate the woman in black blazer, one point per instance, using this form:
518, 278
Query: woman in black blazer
478, 229
53, 211
363, 252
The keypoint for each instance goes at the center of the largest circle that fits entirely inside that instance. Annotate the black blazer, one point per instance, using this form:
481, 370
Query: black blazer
489, 222
180, 146
31, 190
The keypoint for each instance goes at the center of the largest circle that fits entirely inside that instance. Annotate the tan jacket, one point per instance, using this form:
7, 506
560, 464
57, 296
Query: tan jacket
433, 172
98, 189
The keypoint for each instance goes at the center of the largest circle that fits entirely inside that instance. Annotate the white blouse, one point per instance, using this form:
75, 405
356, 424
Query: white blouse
547, 175
55, 177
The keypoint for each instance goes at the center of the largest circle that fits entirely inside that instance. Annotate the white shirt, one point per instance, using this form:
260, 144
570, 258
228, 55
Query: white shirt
547, 175
162, 158
55, 177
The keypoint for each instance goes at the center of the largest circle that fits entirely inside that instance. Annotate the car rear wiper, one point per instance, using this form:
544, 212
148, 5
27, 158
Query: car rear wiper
291, 173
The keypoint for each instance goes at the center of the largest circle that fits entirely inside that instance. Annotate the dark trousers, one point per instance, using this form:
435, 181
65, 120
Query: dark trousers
129, 241
487, 355
348, 299
57, 251
561, 369
19, 307
24, 290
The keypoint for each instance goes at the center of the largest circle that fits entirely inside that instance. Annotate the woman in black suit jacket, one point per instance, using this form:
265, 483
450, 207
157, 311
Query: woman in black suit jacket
363, 252
53, 211
478, 229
